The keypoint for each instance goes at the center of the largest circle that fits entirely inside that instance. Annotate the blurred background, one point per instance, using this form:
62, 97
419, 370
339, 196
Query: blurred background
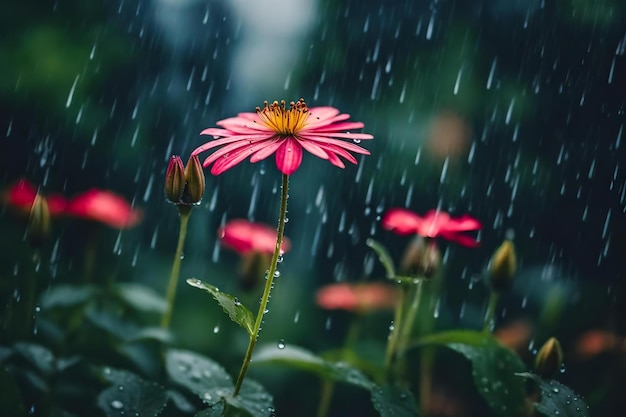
510, 111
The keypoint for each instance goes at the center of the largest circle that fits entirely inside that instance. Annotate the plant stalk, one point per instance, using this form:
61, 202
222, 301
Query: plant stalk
395, 332
489, 322
184, 211
268, 283
407, 325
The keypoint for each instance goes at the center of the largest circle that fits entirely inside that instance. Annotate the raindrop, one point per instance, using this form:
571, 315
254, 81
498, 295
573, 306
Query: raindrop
237, 302
281, 344
296, 318
276, 273
117, 405
216, 329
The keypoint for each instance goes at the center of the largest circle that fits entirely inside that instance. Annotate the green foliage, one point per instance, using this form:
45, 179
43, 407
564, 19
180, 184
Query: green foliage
383, 257
392, 401
130, 395
557, 399
141, 297
494, 367
230, 304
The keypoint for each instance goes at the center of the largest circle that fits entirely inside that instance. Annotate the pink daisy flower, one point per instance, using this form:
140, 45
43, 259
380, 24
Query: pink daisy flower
357, 297
104, 207
244, 237
434, 224
320, 131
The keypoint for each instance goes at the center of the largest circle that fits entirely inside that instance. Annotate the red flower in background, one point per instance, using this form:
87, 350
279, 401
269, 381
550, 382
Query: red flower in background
21, 195
434, 224
285, 132
357, 297
99, 205
105, 207
244, 236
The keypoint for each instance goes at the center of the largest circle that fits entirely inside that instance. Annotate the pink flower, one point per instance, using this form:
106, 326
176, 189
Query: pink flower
244, 236
285, 132
357, 297
21, 195
434, 224
105, 207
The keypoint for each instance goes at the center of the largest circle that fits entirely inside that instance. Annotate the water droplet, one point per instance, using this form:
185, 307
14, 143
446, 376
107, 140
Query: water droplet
216, 329
280, 258
555, 390
286, 219
117, 405
276, 273
237, 302
356, 140
281, 344
120, 388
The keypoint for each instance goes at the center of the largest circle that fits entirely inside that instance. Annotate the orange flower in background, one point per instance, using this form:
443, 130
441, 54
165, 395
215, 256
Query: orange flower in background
434, 224
21, 195
104, 207
595, 342
357, 297
276, 129
243, 236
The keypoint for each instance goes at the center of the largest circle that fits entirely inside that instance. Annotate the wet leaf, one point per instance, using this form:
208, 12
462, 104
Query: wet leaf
141, 297
557, 399
200, 375
383, 257
392, 401
302, 359
230, 304
130, 395
66, 295
39, 356
215, 411
253, 399
493, 367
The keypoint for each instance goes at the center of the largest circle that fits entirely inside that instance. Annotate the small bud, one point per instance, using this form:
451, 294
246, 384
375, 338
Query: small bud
421, 258
549, 359
502, 266
194, 177
38, 222
175, 179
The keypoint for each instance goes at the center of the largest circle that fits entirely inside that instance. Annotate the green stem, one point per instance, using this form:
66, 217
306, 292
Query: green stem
393, 338
410, 316
489, 321
328, 385
184, 211
30, 294
268, 283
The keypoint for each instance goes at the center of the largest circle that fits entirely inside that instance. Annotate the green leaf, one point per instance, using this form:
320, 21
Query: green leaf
392, 401
302, 359
39, 356
493, 367
10, 399
151, 333
130, 395
66, 295
253, 399
215, 411
200, 375
141, 297
383, 257
557, 399
231, 305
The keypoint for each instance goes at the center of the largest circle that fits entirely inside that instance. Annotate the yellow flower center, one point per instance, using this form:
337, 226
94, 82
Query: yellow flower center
286, 122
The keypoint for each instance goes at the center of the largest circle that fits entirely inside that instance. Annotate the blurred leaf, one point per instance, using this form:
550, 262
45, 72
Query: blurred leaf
231, 305
65, 363
302, 359
10, 399
130, 395
392, 401
112, 323
66, 295
37, 355
557, 399
141, 297
151, 333
215, 411
493, 367
383, 257
253, 399
5, 352
180, 401
202, 376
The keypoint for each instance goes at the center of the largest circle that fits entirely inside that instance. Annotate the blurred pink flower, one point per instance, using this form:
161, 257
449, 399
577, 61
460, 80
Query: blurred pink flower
21, 195
357, 297
434, 224
243, 236
285, 132
104, 207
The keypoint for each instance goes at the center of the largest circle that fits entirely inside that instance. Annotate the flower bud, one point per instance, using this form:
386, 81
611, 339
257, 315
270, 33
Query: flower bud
549, 359
38, 222
502, 266
175, 179
194, 177
421, 258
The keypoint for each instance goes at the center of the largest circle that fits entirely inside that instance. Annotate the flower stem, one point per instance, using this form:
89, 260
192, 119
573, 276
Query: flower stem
489, 321
407, 325
268, 283
184, 211
395, 332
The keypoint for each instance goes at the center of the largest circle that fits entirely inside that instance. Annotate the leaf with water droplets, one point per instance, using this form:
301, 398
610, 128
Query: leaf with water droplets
494, 367
130, 395
199, 374
141, 297
302, 359
557, 399
231, 305
252, 398
392, 401
383, 257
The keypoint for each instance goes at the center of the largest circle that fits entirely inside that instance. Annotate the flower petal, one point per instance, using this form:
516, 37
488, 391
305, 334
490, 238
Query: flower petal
289, 156
223, 141
401, 221
226, 163
314, 149
323, 112
340, 143
266, 150
463, 223
464, 240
